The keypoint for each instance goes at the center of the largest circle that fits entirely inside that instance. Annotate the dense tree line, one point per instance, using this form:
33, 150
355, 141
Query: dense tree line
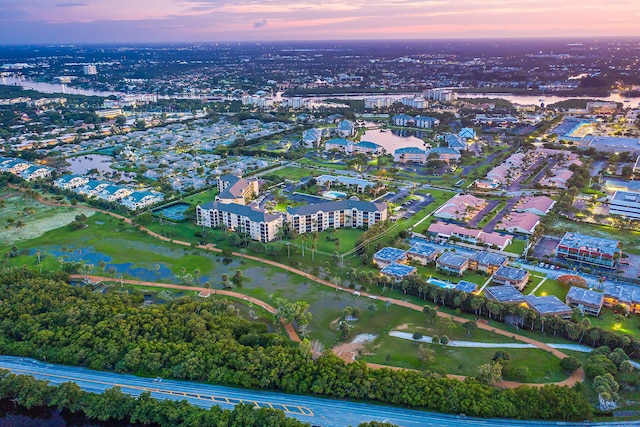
42, 316
114, 405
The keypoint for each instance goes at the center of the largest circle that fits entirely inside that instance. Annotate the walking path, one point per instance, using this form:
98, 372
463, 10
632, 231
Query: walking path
291, 332
575, 377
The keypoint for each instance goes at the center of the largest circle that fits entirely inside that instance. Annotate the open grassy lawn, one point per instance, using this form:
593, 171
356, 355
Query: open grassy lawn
22, 219
388, 350
469, 276
322, 163
516, 246
347, 238
492, 214
202, 197
630, 325
629, 239
294, 173
553, 287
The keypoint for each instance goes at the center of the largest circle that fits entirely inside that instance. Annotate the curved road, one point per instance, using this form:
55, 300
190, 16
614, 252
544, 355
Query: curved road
314, 410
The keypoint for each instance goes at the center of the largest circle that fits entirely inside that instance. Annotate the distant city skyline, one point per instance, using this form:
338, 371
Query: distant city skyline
141, 21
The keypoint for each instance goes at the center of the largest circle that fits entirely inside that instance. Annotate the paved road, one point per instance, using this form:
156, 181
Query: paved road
318, 411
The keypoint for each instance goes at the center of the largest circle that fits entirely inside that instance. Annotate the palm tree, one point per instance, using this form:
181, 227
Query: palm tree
196, 274
38, 255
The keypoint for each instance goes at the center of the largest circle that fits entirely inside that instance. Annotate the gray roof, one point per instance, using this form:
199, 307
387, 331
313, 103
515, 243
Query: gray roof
240, 210
506, 293
486, 258
511, 273
623, 293
398, 270
590, 243
389, 254
585, 296
548, 305
452, 258
422, 250
339, 205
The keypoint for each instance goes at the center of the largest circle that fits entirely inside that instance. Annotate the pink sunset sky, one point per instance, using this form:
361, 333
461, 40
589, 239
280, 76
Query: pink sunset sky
123, 21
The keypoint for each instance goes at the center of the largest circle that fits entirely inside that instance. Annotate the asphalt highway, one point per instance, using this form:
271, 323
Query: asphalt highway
314, 410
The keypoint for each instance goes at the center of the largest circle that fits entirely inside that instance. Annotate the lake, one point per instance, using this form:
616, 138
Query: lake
547, 99
52, 87
393, 139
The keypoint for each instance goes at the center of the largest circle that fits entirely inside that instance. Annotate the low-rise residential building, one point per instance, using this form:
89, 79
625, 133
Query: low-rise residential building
557, 179
113, 193
519, 222
589, 249
410, 155
426, 122
389, 255
452, 263
234, 189
467, 133
444, 230
626, 204
346, 128
454, 141
34, 172
259, 225
444, 154
141, 199
12, 165
360, 185
624, 295
338, 214
92, 188
403, 120
367, 147
539, 205
487, 262
588, 301
398, 272
339, 144
511, 276
68, 182
504, 294
311, 138
460, 207
549, 305
424, 254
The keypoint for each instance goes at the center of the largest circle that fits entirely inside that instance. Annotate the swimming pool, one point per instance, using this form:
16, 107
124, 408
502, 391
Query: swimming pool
331, 194
442, 283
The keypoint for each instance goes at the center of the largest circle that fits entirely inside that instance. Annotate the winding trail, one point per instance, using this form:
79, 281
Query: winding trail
577, 376
291, 332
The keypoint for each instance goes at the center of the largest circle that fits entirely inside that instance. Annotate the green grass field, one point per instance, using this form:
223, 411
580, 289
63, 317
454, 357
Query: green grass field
462, 361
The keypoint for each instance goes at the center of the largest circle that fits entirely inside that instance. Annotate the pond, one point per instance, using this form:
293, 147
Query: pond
393, 139
82, 164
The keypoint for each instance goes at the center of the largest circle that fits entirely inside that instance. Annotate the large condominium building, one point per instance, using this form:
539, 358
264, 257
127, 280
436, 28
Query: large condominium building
589, 249
261, 226
625, 203
410, 155
233, 189
339, 214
